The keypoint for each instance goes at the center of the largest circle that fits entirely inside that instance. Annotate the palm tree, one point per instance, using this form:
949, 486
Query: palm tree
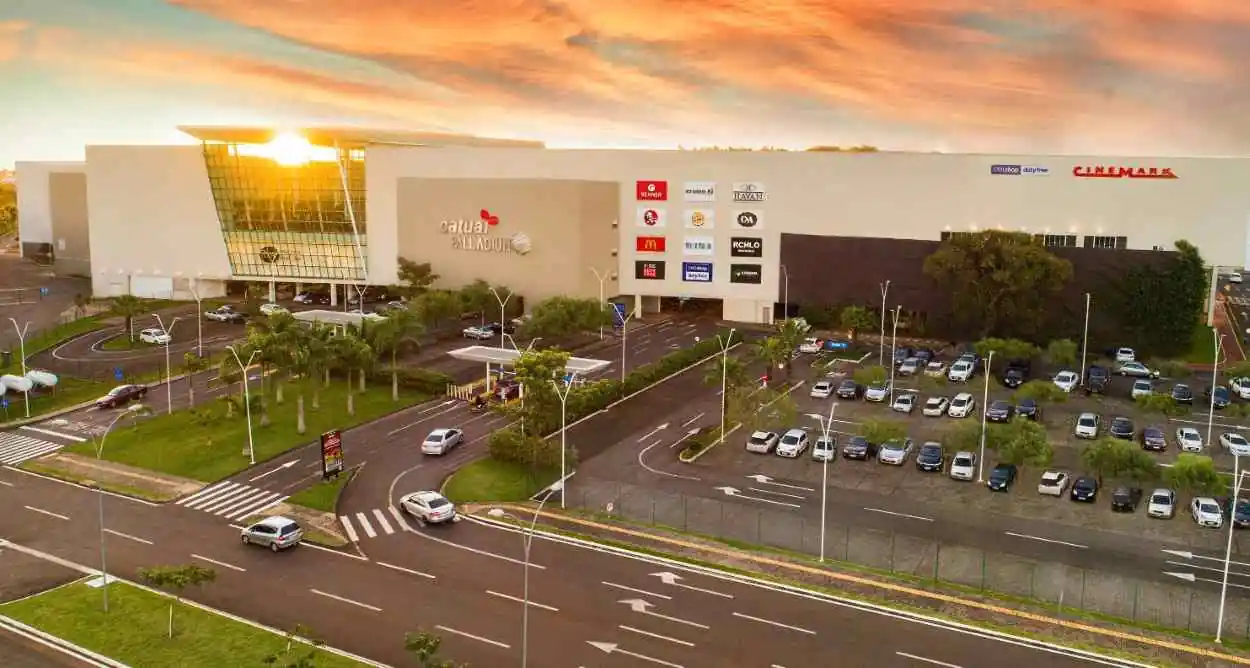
228, 372
402, 327
81, 302
351, 353
191, 365
277, 337
731, 369
775, 352
129, 306
318, 358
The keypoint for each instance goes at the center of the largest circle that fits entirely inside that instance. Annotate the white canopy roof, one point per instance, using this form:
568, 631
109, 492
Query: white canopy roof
336, 318
509, 357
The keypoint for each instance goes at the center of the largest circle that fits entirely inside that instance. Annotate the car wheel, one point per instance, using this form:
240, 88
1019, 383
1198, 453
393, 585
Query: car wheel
245, 540
273, 547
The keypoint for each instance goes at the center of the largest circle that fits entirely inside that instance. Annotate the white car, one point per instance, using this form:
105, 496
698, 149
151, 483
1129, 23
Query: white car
1142, 388
904, 403
877, 392
429, 507
964, 466
155, 336
825, 449
441, 441
962, 405
272, 309
1066, 380
1189, 439
1053, 483
936, 406
1241, 386
1235, 443
762, 442
1135, 369
895, 452
822, 390
1162, 504
960, 371
1206, 512
792, 444
479, 333
909, 367
1123, 355
935, 369
1087, 425
1235, 277
810, 345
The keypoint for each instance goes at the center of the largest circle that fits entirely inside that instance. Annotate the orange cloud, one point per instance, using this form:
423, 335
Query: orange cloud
11, 35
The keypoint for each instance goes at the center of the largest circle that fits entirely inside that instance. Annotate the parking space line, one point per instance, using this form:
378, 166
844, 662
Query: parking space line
654, 635
1045, 540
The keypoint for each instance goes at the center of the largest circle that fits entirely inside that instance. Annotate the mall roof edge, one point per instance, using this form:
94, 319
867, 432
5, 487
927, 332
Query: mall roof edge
347, 137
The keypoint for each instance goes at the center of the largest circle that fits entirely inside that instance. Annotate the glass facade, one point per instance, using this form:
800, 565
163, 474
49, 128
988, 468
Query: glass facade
293, 221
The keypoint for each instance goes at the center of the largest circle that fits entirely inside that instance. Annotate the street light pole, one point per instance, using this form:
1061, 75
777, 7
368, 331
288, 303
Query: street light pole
21, 342
525, 586
894, 350
169, 390
564, 404
602, 302
503, 311
132, 410
885, 292
247, 399
624, 337
1085, 337
725, 345
984, 405
826, 425
1228, 550
1215, 371
785, 273
194, 286
521, 386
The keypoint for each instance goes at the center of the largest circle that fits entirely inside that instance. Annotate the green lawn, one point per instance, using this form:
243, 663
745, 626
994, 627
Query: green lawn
135, 630
323, 496
69, 391
490, 479
204, 445
1202, 346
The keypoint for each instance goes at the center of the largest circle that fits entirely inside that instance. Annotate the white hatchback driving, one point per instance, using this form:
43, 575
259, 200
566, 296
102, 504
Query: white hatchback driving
440, 441
822, 389
1087, 425
155, 336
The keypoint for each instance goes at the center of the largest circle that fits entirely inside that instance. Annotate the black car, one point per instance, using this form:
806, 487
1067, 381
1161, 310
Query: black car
858, 447
1122, 428
999, 411
121, 395
1096, 379
1016, 373
1125, 499
1219, 397
901, 355
849, 389
1030, 409
1181, 394
931, 457
1152, 438
1084, 490
925, 355
1240, 513
501, 329
1002, 477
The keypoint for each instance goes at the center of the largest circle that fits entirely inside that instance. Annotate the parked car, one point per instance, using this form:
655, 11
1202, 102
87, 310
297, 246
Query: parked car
936, 406
1239, 513
1206, 512
1162, 504
904, 403
1125, 499
1087, 425
276, 533
1135, 370
225, 313
1122, 428
858, 447
1029, 409
477, 332
825, 448
1053, 483
963, 465
1218, 397
1189, 439
441, 441
1152, 438
1142, 388
895, 451
1241, 387
762, 442
429, 507
1016, 374
902, 355
960, 371
1123, 355
877, 392
1096, 379
1084, 490
792, 444
909, 367
122, 395
849, 389
1002, 477
1066, 380
1181, 394
999, 411
931, 457
935, 369
307, 297
1235, 443
272, 309
962, 405
810, 345
498, 328
823, 389
155, 336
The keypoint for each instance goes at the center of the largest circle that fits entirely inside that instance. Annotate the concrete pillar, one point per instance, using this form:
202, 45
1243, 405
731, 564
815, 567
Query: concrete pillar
651, 304
273, 291
299, 287
334, 295
637, 310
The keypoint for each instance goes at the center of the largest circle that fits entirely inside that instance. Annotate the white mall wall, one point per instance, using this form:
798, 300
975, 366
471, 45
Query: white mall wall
34, 208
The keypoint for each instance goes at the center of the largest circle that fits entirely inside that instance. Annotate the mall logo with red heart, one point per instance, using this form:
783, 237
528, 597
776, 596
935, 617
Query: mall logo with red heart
488, 218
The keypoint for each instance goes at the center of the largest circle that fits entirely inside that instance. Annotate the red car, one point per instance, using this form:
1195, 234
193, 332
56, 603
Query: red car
121, 395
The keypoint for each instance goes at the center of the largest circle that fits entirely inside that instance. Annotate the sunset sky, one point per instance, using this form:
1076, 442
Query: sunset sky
1141, 77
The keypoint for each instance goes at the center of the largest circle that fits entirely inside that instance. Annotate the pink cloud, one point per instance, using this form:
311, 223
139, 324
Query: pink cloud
11, 35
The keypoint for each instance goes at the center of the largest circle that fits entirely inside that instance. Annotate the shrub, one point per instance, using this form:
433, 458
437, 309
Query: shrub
1160, 403
508, 445
700, 441
1171, 368
424, 381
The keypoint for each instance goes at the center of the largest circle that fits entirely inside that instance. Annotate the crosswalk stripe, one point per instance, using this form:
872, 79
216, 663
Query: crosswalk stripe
267, 506
207, 494
364, 524
386, 526
233, 496
351, 530
399, 517
17, 448
251, 501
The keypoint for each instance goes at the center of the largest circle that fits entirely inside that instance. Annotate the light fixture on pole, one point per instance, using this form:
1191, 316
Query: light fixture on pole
785, 273
1215, 371
894, 350
564, 405
624, 341
602, 278
985, 399
826, 425
1228, 550
21, 342
503, 309
133, 410
557, 486
521, 386
169, 390
247, 399
1085, 337
725, 343
885, 292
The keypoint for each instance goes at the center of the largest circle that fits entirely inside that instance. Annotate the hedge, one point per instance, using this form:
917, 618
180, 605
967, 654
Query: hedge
700, 441
424, 381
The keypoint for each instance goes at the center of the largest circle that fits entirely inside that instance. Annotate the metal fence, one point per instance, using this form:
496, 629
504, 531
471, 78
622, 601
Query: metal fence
1143, 601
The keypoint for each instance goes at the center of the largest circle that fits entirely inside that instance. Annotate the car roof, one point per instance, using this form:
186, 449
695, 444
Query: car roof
276, 521
426, 495
1233, 434
795, 432
440, 431
1204, 499
824, 382
763, 434
1161, 490
963, 453
963, 396
933, 399
1086, 415
1053, 474
931, 444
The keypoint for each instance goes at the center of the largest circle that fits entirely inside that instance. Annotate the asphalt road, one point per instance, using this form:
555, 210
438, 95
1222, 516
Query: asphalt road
587, 607
18, 652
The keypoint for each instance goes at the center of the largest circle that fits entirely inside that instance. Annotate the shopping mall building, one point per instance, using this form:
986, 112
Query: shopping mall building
746, 228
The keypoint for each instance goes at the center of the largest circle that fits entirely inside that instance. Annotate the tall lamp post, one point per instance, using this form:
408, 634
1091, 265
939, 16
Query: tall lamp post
564, 404
1085, 338
624, 340
169, 390
826, 425
984, 404
785, 274
557, 486
193, 286
885, 292
894, 349
133, 410
1228, 550
21, 342
247, 399
521, 386
725, 344
1215, 372
602, 278
503, 310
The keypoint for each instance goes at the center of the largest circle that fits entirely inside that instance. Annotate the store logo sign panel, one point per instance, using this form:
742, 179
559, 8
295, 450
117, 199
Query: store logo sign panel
648, 270
746, 247
750, 192
749, 220
746, 273
699, 219
696, 272
1122, 172
653, 217
651, 191
700, 191
478, 235
1019, 170
649, 245
699, 246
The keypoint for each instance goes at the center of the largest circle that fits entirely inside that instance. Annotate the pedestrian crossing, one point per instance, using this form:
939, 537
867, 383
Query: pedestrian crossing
373, 523
231, 500
16, 448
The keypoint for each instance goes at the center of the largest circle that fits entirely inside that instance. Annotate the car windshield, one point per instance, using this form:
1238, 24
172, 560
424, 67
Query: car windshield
847, 385
116, 391
1189, 435
824, 385
1122, 423
933, 401
1243, 508
1086, 421
1209, 508
439, 502
998, 474
1161, 499
857, 442
877, 387
824, 443
998, 406
960, 401
892, 445
962, 461
931, 451
289, 529
790, 439
1153, 433
1142, 385
1237, 439
905, 399
759, 439
962, 365
1084, 484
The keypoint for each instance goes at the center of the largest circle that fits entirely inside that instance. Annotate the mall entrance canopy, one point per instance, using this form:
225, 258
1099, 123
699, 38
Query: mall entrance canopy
335, 318
507, 357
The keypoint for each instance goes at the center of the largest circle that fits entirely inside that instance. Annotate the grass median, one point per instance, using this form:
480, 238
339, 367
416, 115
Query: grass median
323, 496
69, 391
135, 630
488, 479
204, 444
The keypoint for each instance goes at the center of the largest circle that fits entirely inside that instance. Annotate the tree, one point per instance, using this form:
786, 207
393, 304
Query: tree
229, 373
1000, 282
559, 317
856, 319
1235, 370
305, 659
1161, 404
1158, 304
351, 353
176, 579
757, 409
435, 306
81, 304
1021, 442
401, 328
1114, 458
415, 277
732, 370
871, 375
191, 365
424, 646
1061, 352
1194, 475
774, 352
129, 306
880, 431
1005, 349
535, 370
277, 337
1041, 391
964, 436
477, 297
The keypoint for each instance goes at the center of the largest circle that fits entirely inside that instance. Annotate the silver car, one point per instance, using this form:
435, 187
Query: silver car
1162, 504
895, 452
440, 441
825, 449
277, 533
429, 507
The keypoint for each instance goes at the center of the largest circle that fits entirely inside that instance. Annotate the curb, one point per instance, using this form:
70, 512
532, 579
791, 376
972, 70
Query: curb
58, 644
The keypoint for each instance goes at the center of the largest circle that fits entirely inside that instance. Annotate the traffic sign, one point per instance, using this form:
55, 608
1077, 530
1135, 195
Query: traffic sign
43, 292
117, 374
618, 314
4, 403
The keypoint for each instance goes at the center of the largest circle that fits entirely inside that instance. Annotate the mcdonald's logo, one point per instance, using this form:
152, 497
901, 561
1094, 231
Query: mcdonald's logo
650, 245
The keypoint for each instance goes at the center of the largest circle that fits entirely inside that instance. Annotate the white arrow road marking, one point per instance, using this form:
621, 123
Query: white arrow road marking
1213, 569
1046, 540
653, 432
643, 462
654, 635
1190, 555
1187, 577
776, 493
890, 512
1190, 577
765, 480
672, 579
777, 624
287, 465
613, 648
636, 590
644, 607
687, 423
733, 491
685, 436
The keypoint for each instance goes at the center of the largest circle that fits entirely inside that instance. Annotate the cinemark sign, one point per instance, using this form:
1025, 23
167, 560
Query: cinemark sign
650, 245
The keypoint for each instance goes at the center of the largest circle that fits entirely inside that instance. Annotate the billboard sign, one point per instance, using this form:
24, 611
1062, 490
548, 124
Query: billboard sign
331, 453
647, 270
746, 247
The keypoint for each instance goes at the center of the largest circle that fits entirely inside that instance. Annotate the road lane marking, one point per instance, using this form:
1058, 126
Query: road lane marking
687, 423
219, 563
775, 493
49, 513
93, 490
281, 467
205, 493
399, 518
1207, 568
129, 537
421, 420
643, 463
6, 484
653, 432
654, 635
49, 432
409, 571
636, 590
470, 636
777, 624
935, 662
1190, 577
349, 601
1046, 540
890, 512
386, 526
365, 525
521, 600
672, 579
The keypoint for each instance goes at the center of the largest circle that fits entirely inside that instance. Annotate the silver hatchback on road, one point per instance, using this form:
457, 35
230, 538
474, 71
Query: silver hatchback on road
277, 533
